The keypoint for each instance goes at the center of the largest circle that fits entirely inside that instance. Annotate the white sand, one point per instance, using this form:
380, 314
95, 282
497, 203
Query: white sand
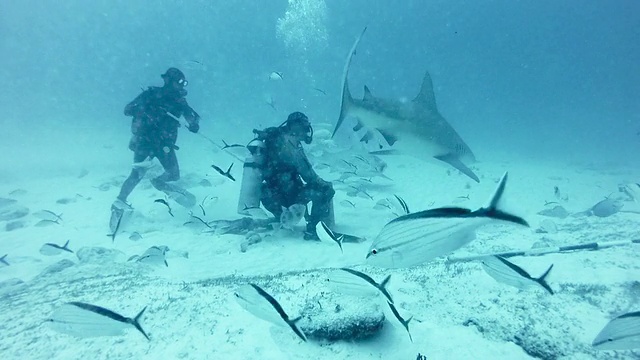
191, 312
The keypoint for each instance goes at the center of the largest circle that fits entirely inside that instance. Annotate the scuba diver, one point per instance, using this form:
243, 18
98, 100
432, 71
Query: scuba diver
278, 174
154, 131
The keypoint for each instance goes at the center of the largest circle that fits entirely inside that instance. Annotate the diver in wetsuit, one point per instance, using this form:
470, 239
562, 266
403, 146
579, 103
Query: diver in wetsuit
154, 133
287, 176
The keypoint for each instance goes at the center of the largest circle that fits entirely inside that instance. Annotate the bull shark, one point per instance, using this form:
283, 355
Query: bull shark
414, 128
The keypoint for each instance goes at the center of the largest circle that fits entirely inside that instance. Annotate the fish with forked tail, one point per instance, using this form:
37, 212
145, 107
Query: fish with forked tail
85, 320
422, 236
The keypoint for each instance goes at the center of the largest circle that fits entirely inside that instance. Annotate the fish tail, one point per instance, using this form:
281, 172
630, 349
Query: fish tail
339, 240
492, 209
383, 288
347, 99
294, 327
406, 325
136, 322
541, 280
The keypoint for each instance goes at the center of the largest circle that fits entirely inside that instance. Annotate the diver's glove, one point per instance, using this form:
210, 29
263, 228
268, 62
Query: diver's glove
194, 127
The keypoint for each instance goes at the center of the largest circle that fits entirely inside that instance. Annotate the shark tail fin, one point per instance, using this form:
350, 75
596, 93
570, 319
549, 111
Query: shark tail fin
347, 99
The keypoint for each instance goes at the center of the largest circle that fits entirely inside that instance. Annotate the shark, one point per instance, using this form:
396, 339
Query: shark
415, 128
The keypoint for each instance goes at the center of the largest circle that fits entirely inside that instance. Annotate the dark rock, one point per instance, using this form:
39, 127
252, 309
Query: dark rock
341, 317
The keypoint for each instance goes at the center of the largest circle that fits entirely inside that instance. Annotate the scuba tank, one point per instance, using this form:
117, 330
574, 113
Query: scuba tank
251, 188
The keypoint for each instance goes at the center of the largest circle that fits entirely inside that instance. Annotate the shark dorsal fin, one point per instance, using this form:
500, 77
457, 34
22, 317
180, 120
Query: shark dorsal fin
367, 94
426, 95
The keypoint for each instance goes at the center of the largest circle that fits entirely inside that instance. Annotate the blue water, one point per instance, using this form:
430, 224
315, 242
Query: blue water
537, 78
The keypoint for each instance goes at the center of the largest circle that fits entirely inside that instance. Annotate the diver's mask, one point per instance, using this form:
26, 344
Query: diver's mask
298, 124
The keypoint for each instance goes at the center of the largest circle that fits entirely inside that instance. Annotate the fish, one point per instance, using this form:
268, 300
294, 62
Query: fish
227, 146
193, 65
347, 203
135, 236
275, 76
269, 100
382, 204
199, 220
292, 215
43, 223
51, 249
506, 272
227, 173
48, 215
261, 304
115, 222
621, 333
3, 259
632, 190
401, 320
349, 281
415, 128
403, 204
165, 203
155, 255
326, 234
320, 91
422, 236
605, 208
255, 212
85, 320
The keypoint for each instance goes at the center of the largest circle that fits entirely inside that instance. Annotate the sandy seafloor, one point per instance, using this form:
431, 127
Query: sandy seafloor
459, 311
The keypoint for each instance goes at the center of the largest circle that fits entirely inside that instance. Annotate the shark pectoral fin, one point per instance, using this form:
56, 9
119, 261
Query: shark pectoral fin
388, 137
454, 161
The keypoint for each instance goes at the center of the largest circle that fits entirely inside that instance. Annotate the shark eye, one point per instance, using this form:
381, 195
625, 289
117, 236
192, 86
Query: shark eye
374, 251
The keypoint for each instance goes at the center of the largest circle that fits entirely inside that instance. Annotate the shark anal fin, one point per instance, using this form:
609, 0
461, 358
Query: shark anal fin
388, 137
367, 136
454, 161
367, 94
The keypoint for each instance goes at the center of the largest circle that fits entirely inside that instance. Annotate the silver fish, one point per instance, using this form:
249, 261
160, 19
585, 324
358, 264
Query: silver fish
419, 237
508, 273
349, 281
50, 249
400, 319
621, 333
261, 304
85, 320
326, 234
